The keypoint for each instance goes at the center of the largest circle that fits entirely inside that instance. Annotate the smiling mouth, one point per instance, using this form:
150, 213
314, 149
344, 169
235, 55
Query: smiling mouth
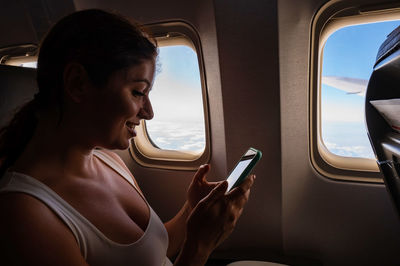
131, 128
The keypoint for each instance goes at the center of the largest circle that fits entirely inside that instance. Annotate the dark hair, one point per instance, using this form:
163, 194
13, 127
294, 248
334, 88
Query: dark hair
100, 41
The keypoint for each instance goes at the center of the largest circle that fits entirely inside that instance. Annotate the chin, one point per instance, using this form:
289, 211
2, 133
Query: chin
123, 146
118, 145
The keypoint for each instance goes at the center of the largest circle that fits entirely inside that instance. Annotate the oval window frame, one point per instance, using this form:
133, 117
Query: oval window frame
143, 151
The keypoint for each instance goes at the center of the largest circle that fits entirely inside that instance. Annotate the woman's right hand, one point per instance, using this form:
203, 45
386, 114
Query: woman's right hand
214, 218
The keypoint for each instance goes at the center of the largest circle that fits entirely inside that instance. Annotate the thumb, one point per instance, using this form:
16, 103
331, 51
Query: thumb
201, 173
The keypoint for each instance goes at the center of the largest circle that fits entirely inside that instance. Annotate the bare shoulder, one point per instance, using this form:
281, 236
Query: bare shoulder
31, 234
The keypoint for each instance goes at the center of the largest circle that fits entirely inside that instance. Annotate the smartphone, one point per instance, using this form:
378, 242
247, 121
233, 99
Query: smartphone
243, 168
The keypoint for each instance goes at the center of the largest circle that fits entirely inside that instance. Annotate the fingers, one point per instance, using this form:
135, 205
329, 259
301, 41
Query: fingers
248, 182
217, 192
242, 192
201, 173
214, 184
215, 216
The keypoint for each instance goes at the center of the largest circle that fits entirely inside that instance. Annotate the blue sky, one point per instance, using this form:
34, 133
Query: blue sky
180, 61
349, 52
178, 122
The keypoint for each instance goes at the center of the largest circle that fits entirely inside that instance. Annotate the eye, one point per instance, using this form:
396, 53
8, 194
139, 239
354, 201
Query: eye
137, 93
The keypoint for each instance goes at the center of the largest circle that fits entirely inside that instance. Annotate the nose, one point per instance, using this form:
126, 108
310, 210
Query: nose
146, 112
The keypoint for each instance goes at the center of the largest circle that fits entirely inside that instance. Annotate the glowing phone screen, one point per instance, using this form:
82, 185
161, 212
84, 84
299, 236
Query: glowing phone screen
237, 172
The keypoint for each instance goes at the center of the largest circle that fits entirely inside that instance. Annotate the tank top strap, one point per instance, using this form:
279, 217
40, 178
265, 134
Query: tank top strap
110, 161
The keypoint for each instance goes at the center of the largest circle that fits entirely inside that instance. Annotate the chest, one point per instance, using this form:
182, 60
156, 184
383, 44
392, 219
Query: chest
110, 203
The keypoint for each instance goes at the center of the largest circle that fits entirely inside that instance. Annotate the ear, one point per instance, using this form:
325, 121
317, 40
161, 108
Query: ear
76, 82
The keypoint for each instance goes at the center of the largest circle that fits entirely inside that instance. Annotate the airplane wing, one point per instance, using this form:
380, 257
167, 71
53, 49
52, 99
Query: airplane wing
349, 85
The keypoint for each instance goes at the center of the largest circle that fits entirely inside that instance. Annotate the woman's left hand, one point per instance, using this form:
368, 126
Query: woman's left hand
200, 187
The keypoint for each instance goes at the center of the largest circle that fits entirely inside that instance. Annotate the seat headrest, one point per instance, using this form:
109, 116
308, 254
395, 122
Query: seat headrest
17, 86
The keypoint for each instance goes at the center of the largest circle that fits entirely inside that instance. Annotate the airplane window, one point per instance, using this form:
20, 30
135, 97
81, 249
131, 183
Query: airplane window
178, 137
178, 122
29, 64
348, 60
22, 61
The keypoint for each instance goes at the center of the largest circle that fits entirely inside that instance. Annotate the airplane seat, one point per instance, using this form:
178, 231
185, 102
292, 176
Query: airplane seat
382, 113
17, 86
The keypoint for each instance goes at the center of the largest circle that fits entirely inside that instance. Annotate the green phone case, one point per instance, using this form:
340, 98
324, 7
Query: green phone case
250, 152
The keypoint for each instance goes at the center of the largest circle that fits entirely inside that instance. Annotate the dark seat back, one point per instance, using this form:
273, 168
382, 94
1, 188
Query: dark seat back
17, 86
384, 84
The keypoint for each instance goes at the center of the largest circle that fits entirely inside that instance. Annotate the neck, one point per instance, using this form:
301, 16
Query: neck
53, 148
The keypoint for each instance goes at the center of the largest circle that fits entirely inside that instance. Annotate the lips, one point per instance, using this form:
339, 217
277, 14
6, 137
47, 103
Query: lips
131, 127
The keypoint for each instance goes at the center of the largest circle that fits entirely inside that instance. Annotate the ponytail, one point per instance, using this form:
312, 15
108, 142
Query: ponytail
15, 136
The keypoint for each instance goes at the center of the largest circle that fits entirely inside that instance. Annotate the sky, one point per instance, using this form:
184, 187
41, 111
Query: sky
176, 96
349, 52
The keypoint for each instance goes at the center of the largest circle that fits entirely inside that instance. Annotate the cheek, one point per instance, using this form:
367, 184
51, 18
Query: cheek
128, 108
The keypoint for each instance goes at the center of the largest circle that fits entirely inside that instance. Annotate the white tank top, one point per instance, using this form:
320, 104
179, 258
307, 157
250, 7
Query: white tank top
96, 248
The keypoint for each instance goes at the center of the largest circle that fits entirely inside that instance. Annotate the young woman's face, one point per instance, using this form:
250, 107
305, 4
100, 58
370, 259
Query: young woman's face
122, 103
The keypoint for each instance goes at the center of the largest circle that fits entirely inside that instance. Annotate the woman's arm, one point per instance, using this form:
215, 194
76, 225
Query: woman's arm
176, 227
31, 234
212, 221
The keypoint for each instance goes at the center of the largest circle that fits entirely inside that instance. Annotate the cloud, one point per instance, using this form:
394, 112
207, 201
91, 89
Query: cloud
171, 97
331, 112
350, 151
193, 146
162, 141
177, 135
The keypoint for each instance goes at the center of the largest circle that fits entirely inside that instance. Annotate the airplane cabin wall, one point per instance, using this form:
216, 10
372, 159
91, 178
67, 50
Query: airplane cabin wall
248, 59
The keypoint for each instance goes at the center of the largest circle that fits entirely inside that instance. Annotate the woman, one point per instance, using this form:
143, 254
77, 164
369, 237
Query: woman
65, 199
